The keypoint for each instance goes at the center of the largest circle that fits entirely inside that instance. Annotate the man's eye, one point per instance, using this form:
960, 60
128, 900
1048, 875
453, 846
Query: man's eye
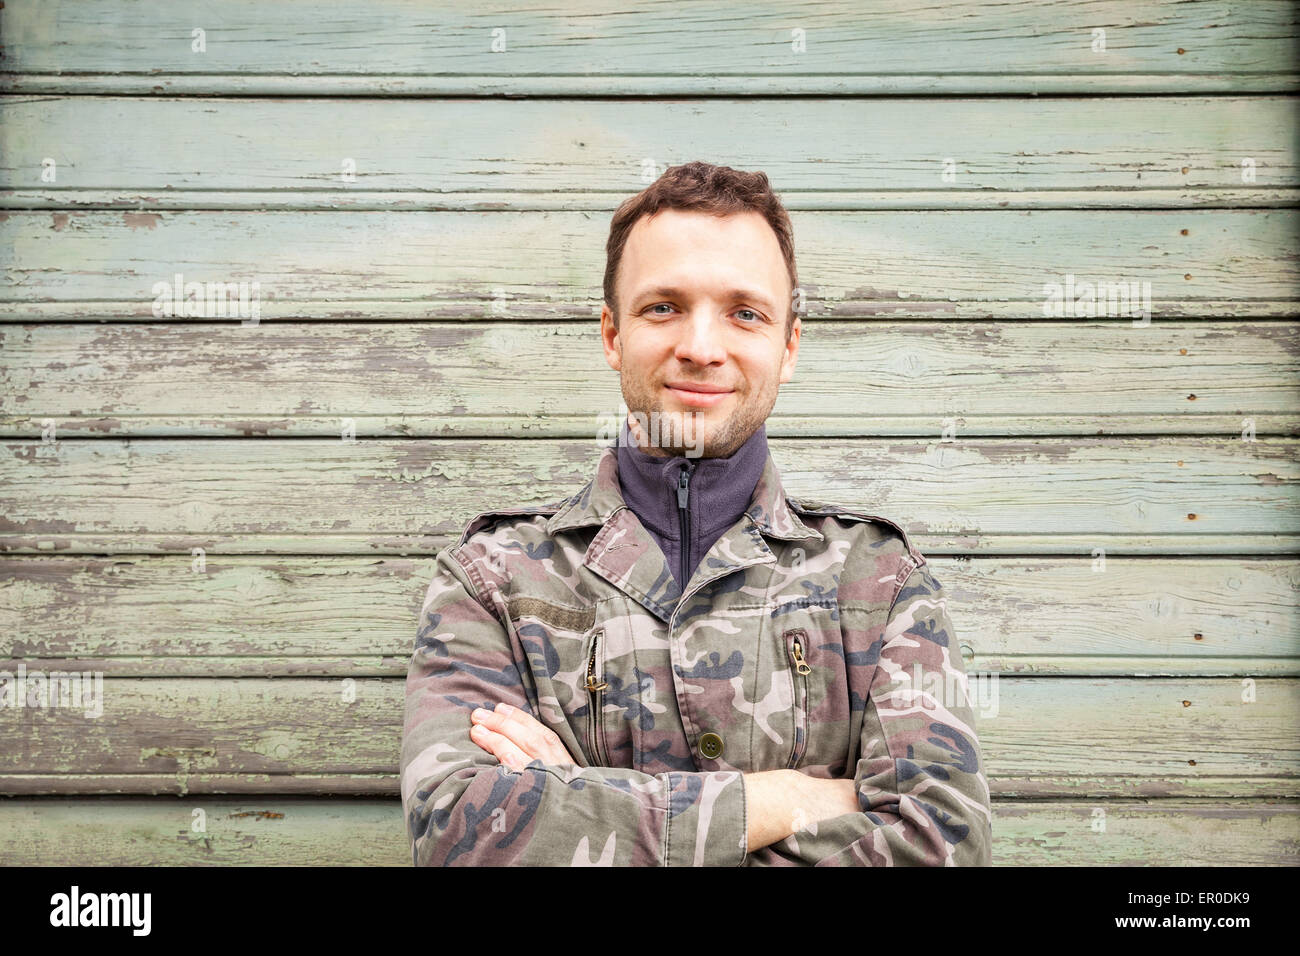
664, 305
751, 312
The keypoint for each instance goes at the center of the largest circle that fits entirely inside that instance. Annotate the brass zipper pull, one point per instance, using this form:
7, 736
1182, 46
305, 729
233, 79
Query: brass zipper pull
800, 664
592, 685
595, 721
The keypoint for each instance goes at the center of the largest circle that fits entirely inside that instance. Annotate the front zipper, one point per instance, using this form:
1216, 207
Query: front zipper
684, 518
595, 706
795, 638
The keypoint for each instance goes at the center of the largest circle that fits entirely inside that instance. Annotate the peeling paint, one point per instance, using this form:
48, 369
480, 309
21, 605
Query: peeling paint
142, 220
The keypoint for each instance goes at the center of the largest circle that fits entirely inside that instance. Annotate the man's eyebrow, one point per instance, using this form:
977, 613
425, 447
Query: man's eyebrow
672, 292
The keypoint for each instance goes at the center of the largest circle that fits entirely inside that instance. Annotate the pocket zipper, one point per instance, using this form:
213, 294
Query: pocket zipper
800, 685
595, 707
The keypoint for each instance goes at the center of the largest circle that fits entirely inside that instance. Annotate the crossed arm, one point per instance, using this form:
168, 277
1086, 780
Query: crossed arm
779, 802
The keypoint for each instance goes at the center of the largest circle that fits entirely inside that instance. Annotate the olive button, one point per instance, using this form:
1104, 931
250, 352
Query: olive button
710, 745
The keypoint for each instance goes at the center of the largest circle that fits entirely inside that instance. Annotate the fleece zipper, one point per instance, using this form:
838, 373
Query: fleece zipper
684, 518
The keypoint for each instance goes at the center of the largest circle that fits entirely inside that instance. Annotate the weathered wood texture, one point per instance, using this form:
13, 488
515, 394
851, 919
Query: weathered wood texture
455, 379
261, 615
1115, 545
1042, 737
410, 47
283, 831
1165, 495
939, 266
997, 153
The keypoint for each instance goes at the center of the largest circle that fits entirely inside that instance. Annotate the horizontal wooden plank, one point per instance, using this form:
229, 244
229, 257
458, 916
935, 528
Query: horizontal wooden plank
1157, 833
398, 151
299, 616
483, 86
1026, 424
416, 49
1128, 495
1083, 738
1206, 786
394, 310
285, 784
1242, 197
331, 616
446, 379
278, 831
548, 265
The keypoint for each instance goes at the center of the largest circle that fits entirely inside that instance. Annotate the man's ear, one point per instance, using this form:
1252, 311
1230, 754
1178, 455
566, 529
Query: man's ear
790, 356
610, 340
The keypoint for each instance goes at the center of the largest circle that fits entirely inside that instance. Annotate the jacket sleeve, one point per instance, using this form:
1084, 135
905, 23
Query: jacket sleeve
920, 775
464, 808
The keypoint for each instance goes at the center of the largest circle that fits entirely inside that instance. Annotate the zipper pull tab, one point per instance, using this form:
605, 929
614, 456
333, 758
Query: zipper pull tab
683, 485
592, 684
800, 664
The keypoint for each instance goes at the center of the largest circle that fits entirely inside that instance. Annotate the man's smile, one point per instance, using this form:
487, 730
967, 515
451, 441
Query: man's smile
699, 394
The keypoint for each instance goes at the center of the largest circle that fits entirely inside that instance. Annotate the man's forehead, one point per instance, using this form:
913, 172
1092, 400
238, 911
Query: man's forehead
680, 224
672, 251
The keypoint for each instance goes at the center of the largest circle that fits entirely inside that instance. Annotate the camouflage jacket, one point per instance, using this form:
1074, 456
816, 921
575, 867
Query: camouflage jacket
809, 637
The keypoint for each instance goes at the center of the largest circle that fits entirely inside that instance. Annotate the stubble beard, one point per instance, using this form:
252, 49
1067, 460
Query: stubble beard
684, 432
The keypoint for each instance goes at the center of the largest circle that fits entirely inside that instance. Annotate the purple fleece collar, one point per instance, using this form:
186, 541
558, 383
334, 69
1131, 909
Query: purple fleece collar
720, 492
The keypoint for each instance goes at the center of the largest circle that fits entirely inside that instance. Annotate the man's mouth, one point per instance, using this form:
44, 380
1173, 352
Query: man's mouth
699, 394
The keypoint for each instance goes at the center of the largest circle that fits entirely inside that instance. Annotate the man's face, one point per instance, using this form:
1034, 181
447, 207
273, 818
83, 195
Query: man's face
701, 341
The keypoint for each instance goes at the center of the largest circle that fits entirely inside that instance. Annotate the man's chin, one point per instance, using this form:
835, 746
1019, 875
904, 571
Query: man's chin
678, 431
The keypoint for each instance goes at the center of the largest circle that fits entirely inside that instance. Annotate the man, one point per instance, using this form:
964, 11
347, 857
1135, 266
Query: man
680, 665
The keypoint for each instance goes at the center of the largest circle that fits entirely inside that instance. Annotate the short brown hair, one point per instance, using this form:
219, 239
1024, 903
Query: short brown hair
701, 187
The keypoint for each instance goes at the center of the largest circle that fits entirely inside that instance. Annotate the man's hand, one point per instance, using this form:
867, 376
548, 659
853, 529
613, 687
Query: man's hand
516, 737
782, 802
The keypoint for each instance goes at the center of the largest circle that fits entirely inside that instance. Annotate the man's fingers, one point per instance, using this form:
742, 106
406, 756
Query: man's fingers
500, 746
528, 735
525, 731
849, 794
532, 735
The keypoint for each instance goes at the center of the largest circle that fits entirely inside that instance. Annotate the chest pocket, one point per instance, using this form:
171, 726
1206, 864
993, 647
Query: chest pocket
577, 657
809, 646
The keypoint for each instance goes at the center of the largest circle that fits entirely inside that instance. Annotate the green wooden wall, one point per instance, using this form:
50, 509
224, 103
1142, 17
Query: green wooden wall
234, 521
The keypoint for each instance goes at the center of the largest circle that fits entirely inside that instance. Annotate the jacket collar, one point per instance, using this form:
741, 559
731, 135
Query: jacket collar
625, 554
720, 488
602, 498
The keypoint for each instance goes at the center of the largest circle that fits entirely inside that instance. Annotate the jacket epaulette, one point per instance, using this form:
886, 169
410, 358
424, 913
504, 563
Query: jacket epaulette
486, 519
811, 507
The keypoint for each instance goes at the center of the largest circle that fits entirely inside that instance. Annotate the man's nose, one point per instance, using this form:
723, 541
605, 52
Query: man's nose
700, 341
